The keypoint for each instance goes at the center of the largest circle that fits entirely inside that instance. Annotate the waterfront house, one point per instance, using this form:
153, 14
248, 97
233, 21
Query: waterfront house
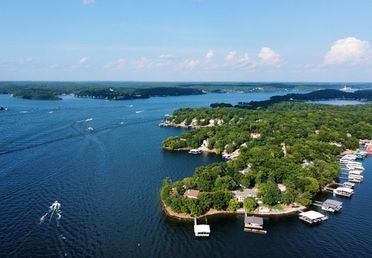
246, 192
191, 193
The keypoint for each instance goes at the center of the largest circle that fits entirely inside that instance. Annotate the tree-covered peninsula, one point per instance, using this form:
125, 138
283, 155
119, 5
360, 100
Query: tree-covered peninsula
285, 154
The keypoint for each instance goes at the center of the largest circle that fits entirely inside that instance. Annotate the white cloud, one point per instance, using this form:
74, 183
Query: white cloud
235, 60
268, 56
143, 63
348, 50
88, 2
209, 55
120, 64
83, 60
166, 56
230, 56
189, 64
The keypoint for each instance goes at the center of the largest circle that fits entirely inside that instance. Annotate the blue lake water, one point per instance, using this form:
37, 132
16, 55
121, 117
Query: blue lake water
108, 183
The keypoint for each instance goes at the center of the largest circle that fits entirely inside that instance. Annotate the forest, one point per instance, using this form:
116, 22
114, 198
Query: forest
290, 143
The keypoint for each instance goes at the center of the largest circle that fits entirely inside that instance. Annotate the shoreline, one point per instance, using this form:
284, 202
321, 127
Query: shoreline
288, 210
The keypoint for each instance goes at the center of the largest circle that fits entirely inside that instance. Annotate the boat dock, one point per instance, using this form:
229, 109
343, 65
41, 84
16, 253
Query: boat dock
254, 224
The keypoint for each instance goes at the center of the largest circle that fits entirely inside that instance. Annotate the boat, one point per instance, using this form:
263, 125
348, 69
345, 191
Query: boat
348, 185
90, 129
312, 217
355, 172
343, 191
355, 178
355, 167
201, 230
194, 151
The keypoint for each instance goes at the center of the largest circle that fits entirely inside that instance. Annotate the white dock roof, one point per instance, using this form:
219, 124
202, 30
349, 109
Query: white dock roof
202, 228
344, 189
313, 215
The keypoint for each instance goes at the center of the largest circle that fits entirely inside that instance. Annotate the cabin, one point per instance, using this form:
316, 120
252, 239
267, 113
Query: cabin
246, 192
254, 224
312, 217
191, 193
332, 205
343, 191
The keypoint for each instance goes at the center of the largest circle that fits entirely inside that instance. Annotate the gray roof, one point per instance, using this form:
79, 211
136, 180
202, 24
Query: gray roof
253, 220
332, 203
246, 192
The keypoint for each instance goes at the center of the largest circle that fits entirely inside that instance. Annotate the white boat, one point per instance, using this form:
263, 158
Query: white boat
355, 172
354, 179
348, 185
90, 129
194, 151
343, 191
355, 167
354, 163
201, 230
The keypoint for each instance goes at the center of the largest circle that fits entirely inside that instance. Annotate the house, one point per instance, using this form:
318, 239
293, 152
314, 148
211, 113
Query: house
246, 192
191, 193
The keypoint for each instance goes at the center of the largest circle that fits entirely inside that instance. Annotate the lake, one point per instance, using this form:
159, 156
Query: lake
108, 181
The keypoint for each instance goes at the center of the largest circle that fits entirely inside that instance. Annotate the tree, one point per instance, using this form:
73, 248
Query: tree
269, 193
233, 205
249, 204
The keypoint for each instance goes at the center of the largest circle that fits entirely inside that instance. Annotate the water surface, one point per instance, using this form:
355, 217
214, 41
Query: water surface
108, 183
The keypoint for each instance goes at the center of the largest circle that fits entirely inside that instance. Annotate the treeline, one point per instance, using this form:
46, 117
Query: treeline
291, 143
50, 91
327, 94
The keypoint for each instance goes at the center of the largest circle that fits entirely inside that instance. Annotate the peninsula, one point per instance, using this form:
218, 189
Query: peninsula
279, 158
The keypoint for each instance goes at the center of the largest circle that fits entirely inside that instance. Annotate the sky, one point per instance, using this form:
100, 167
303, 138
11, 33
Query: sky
186, 40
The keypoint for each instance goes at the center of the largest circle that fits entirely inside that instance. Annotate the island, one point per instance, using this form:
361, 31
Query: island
278, 158
108, 91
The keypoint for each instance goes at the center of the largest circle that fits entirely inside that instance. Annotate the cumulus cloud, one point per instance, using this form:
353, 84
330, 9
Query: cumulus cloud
189, 64
348, 50
209, 55
88, 2
235, 60
267, 56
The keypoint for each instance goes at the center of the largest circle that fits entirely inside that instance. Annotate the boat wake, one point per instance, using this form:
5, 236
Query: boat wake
54, 211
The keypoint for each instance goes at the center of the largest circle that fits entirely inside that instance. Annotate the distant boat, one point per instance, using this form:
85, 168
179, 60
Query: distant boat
139, 111
51, 112
347, 89
89, 119
90, 129
121, 123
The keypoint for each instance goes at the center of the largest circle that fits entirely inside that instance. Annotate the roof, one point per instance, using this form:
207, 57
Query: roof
313, 215
245, 193
344, 189
202, 228
253, 220
332, 203
191, 193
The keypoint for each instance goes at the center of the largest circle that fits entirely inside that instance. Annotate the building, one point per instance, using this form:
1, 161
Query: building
312, 217
331, 205
191, 193
253, 222
246, 192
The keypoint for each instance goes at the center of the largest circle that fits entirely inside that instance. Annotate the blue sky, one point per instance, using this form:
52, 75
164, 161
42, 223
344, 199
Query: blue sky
186, 40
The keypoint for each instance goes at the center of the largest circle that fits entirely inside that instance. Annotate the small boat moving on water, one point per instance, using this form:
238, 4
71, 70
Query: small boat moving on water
90, 129
201, 230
